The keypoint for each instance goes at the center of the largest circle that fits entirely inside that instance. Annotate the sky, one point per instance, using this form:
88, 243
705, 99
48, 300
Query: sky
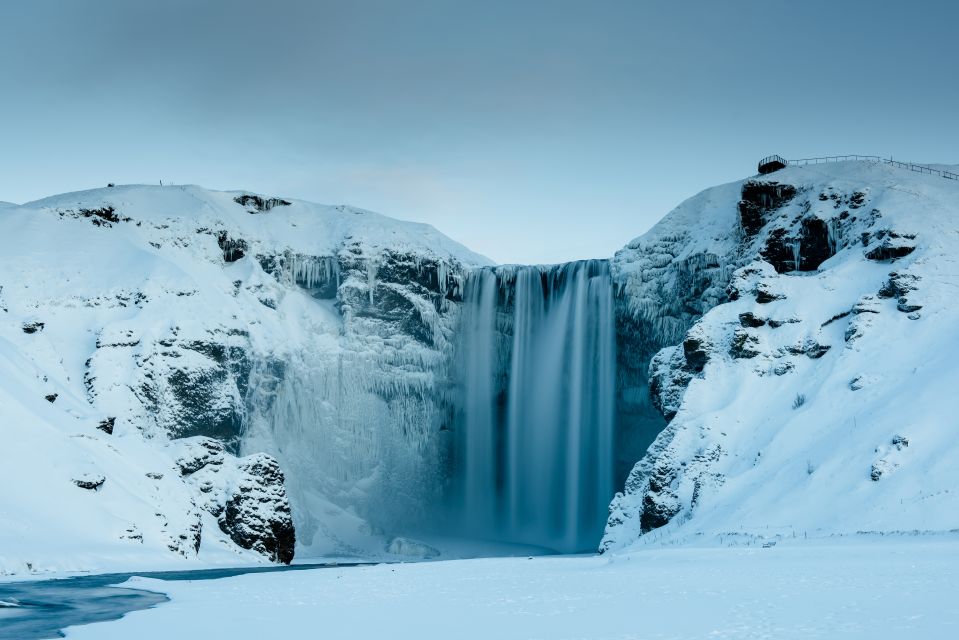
530, 131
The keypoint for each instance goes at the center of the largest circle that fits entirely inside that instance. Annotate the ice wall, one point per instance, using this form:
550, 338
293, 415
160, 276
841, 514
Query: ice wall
536, 373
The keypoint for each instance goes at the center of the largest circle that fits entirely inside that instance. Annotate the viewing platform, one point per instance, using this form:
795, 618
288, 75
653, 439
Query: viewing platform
772, 163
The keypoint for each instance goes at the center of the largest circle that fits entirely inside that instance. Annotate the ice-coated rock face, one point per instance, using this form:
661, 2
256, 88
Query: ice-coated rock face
665, 280
246, 495
226, 324
828, 344
227, 375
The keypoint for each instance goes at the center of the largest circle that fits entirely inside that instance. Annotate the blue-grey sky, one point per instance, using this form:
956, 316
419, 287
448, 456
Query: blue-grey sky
530, 131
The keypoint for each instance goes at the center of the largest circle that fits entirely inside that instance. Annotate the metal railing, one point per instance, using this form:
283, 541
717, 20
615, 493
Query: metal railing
770, 159
919, 168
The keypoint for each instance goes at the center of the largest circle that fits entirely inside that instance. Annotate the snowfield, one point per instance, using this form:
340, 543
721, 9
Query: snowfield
896, 587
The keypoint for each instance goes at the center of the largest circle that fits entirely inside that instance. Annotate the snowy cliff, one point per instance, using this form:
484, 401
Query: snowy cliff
814, 395
156, 344
189, 374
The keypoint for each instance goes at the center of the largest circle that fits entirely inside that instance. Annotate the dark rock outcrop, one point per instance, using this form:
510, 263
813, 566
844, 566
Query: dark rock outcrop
809, 348
759, 198
668, 378
749, 320
257, 515
90, 481
233, 248
803, 250
696, 352
899, 285
887, 245
246, 495
764, 295
743, 345
259, 204
197, 453
106, 425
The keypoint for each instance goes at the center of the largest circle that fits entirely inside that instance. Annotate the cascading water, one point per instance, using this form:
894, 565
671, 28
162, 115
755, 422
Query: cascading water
533, 454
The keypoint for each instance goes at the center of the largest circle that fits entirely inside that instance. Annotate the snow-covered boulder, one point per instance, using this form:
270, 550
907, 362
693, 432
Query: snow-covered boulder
790, 402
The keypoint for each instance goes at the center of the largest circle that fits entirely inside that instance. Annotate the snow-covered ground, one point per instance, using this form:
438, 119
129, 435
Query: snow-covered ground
859, 587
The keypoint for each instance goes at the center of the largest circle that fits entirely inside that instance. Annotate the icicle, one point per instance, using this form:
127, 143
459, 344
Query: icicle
371, 267
832, 235
441, 275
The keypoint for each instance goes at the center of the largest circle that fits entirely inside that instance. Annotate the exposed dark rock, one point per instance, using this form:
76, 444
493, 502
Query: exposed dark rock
764, 295
866, 304
198, 453
106, 213
838, 316
805, 251
660, 503
106, 425
775, 324
898, 285
33, 327
891, 246
668, 378
51, 397
197, 396
907, 307
257, 515
259, 204
758, 199
900, 442
233, 248
742, 345
810, 348
750, 320
103, 217
696, 352
783, 368
154, 475
90, 481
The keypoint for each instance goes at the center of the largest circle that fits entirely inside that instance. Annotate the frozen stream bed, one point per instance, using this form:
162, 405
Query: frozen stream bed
41, 608
851, 587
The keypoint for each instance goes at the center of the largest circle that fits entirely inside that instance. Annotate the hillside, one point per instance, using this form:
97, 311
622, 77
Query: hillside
201, 376
814, 398
144, 365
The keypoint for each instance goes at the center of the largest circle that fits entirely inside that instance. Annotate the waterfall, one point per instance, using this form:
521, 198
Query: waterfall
533, 453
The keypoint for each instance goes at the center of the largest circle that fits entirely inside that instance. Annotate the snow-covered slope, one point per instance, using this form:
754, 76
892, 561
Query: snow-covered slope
817, 395
149, 335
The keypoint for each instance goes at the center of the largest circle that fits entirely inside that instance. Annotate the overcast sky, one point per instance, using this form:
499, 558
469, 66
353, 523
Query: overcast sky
529, 131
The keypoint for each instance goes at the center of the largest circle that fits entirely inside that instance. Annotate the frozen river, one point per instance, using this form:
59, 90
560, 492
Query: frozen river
42, 608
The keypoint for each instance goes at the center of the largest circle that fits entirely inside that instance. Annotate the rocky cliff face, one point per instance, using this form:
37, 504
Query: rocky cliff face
191, 374
783, 399
192, 327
